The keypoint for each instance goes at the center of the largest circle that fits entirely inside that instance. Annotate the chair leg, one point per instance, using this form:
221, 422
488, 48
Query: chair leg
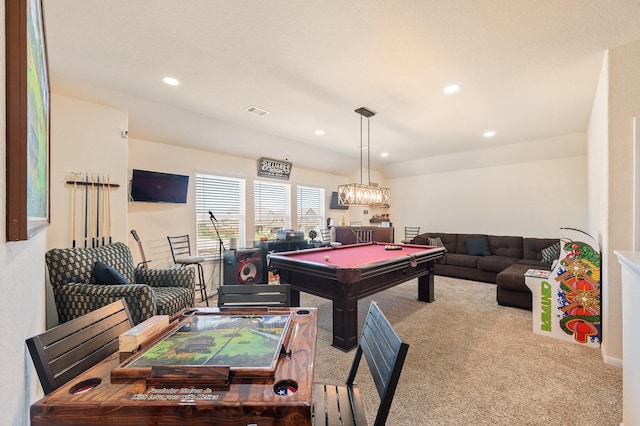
203, 284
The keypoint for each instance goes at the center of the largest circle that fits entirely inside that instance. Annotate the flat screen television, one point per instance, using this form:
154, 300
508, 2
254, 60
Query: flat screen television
334, 205
157, 187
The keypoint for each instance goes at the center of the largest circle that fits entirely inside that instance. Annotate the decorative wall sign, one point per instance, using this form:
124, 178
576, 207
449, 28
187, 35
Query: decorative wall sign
27, 99
274, 168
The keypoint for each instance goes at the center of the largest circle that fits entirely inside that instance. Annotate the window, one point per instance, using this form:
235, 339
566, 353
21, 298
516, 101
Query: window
310, 209
272, 203
225, 198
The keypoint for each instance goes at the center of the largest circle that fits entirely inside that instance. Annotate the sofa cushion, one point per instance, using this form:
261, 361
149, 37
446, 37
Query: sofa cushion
534, 264
462, 260
107, 274
512, 278
507, 246
478, 247
532, 247
450, 241
495, 263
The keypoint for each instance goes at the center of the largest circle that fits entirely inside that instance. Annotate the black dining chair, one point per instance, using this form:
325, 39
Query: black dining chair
385, 354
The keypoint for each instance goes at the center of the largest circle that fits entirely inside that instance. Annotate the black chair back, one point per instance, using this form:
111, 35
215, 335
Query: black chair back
385, 353
254, 295
65, 351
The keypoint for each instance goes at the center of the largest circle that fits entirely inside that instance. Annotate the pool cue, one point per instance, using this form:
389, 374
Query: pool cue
109, 206
93, 204
98, 212
86, 207
73, 205
104, 207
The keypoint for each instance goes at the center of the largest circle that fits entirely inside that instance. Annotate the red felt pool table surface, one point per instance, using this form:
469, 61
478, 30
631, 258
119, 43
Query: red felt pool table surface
357, 255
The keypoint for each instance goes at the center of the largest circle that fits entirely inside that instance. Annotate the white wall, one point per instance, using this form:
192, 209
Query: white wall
623, 105
154, 222
22, 305
532, 198
86, 139
598, 154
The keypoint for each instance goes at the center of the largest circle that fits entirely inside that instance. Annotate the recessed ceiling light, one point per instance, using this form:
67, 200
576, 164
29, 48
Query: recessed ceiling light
319, 132
489, 134
384, 154
452, 88
171, 81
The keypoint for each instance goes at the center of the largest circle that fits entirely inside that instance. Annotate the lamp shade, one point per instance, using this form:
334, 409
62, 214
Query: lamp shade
355, 194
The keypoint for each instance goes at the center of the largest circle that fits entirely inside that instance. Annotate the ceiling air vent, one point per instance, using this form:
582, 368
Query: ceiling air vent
257, 111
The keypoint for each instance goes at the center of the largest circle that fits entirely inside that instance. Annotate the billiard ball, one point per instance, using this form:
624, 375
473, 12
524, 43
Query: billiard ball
326, 258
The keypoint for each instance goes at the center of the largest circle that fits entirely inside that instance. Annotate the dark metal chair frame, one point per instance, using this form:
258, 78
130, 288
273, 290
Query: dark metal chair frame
385, 353
363, 235
65, 351
410, 232
254, 295
181, 254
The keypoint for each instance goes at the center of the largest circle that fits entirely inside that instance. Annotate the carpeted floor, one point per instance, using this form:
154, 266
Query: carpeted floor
472, 362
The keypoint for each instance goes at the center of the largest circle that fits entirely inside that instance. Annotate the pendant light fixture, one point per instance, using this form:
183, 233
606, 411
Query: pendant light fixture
354, 194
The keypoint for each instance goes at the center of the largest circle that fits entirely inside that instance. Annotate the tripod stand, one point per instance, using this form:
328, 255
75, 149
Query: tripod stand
213, 220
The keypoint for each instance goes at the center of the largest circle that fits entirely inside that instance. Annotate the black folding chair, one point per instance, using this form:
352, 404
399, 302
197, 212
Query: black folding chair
65, 351
385, 353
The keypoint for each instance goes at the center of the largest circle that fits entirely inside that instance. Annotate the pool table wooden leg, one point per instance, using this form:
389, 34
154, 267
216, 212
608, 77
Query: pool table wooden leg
425, 286
345, 322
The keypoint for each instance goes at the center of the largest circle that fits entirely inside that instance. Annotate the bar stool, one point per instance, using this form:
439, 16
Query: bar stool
181, 253
363, 235
410, 232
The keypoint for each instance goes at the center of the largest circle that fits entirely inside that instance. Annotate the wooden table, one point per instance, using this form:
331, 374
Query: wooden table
352, 272
276, 393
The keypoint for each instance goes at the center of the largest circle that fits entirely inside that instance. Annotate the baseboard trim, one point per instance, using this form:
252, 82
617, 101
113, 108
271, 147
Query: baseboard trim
616, 362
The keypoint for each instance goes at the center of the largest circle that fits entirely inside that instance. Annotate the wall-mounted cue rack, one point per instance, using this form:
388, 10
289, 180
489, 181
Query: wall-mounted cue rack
94, 198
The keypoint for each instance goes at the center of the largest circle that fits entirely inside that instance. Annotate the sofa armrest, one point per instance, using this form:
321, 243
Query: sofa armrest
74, 299
173, 277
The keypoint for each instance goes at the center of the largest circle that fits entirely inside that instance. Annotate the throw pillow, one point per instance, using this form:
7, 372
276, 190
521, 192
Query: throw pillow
478, 247
551, 253
436, 242
106, 274
422, 239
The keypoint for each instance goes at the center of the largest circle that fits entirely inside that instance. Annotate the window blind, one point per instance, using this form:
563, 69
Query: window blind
225, 198
310, 212
272, 207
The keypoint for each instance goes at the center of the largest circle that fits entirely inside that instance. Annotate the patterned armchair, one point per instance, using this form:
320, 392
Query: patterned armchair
149, 292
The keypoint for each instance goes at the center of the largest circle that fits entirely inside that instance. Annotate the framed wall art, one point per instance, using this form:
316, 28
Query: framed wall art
28, 112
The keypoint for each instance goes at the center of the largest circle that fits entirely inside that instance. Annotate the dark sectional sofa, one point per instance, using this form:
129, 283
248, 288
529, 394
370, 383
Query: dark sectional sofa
502, 260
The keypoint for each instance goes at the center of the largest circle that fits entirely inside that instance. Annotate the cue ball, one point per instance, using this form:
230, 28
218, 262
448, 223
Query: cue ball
326, 258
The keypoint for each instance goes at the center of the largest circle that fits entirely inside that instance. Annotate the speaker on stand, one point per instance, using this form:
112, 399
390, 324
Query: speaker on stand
244, 266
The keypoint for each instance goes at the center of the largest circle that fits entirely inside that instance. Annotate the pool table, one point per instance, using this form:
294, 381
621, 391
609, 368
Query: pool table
347, 273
